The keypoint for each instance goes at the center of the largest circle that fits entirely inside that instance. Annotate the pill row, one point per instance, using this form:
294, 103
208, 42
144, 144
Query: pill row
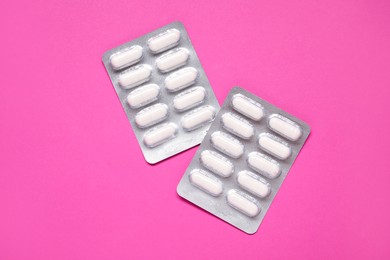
170, 61
164, 91
243, 160
162, 133
157, 44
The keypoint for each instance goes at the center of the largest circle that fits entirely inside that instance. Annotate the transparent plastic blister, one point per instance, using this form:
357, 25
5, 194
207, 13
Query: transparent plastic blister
243, 160
164, 91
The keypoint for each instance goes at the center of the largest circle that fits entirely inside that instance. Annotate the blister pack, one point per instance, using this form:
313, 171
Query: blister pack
164, 91
243, 160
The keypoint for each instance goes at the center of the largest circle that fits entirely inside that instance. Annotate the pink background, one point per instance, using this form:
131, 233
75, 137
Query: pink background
73, 181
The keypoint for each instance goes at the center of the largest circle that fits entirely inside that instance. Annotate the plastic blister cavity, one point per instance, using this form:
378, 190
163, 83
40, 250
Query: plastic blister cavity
164, 91
243, 160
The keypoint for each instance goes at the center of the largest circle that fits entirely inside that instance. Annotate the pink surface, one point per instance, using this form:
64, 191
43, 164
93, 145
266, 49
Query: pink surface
73, 181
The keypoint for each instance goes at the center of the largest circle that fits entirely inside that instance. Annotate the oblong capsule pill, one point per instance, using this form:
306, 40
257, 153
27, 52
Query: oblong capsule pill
247, 107
126, 57
164, 41
181, 79
197, 118
227, 144
160, 134
172, 60
237, 125
143, 95
264, 165
253, 183
216, 163
189, 98
243, 203
151, 115
274, 146
285, 127
135, 76
206, 182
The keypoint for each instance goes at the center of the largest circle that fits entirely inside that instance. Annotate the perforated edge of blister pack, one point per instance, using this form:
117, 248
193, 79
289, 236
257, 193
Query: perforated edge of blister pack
163, 66
243, 160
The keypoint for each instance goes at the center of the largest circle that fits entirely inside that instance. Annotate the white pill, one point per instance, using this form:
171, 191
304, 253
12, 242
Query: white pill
151, 115
189, 98
160, 134
237, 125
264, 165
243, 203
247, 107
216, 163
143, 95
274, 146
135, 76
198, 117
181, 79
164, 41
126, 58
206, 182
285, 127
253, 184
227, 144
172, 60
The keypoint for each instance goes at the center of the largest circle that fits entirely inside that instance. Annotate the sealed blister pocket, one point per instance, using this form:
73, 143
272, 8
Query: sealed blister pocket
243, 160
164, 91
